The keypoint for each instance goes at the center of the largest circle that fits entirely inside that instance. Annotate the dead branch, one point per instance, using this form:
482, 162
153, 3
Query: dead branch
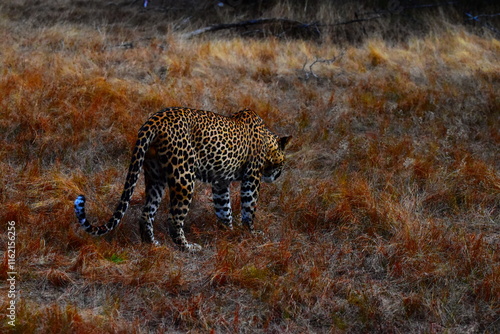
476, 18
278, 25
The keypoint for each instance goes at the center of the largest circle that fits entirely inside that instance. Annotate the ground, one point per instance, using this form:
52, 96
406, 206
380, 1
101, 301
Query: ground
386, 219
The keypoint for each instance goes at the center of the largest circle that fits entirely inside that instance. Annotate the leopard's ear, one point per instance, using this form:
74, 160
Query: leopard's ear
284, 141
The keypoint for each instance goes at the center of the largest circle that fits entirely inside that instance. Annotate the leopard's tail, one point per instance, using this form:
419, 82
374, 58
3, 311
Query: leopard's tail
146, 136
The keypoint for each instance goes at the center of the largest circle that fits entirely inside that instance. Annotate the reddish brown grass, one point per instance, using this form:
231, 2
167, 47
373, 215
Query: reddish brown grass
385, 220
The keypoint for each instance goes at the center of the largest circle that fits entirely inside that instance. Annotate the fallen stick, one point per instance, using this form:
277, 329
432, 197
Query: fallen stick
292, 24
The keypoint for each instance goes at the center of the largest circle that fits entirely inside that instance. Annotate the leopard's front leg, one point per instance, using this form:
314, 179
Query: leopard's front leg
249, 195
222, 203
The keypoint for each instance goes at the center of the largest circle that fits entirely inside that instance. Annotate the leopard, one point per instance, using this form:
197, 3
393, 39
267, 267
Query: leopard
179, 145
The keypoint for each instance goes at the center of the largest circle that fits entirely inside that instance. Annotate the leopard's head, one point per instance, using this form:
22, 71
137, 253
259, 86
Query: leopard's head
275, 158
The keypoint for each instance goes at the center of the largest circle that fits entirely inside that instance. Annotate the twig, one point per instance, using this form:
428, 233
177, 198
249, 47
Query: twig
310, 73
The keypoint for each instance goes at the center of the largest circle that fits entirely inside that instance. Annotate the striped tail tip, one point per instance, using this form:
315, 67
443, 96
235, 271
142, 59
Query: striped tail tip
80, 210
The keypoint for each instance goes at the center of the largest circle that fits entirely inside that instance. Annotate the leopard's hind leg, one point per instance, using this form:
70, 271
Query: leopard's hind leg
181, 195
181, 178
156, 181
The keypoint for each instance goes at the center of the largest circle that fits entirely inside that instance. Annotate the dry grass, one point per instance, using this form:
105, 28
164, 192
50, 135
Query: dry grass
386, 219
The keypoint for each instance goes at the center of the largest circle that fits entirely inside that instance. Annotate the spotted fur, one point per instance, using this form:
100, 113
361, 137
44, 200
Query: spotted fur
178, 145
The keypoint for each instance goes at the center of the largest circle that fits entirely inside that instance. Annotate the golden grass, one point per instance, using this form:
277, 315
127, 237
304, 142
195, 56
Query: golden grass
386, 218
